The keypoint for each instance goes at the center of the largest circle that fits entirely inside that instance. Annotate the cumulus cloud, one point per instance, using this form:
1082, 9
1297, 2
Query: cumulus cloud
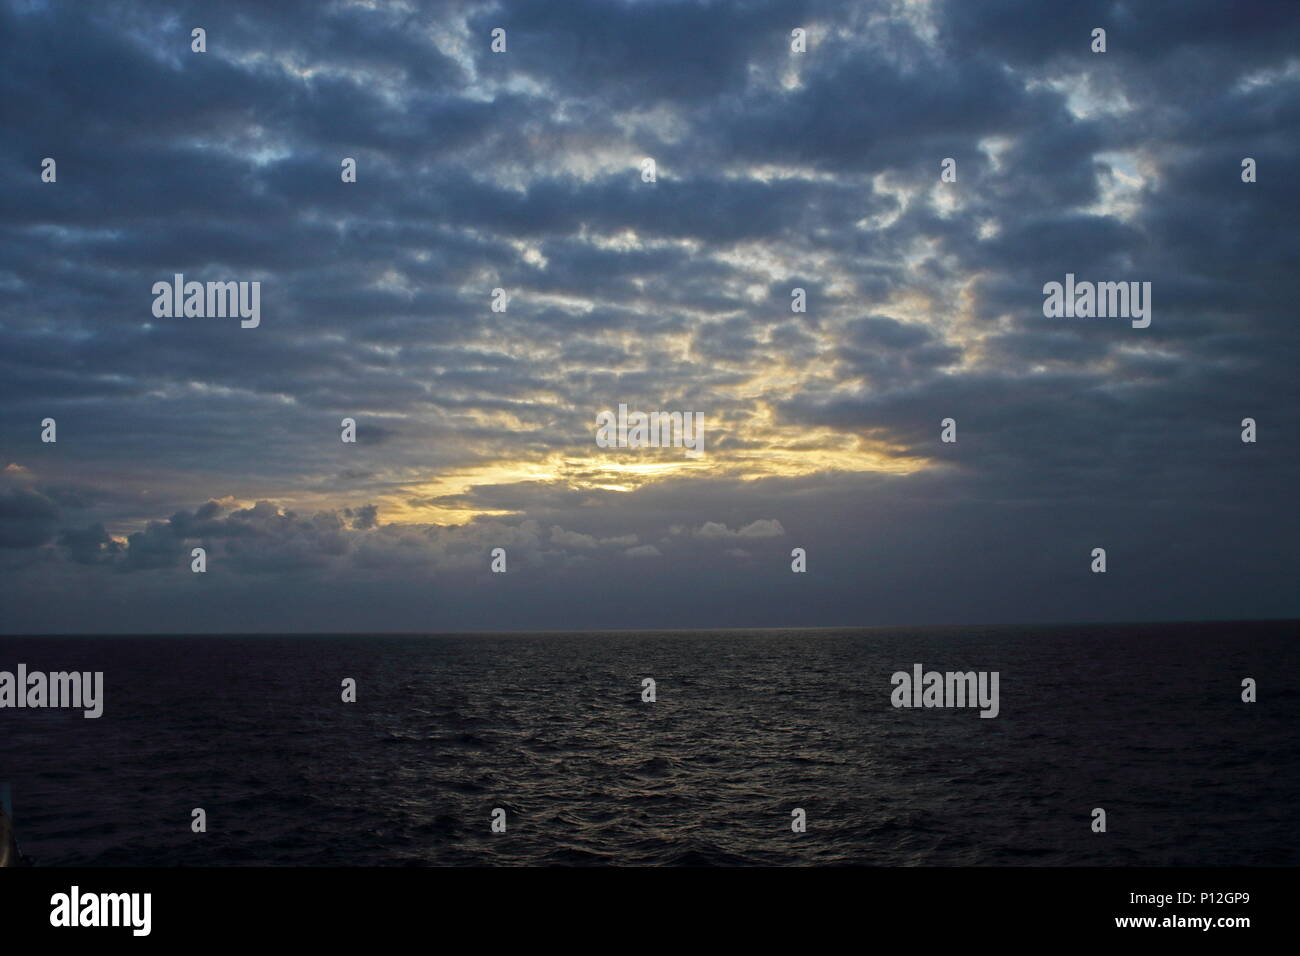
762, 528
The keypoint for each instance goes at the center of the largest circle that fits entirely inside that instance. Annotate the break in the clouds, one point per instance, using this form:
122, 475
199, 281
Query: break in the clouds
522, 171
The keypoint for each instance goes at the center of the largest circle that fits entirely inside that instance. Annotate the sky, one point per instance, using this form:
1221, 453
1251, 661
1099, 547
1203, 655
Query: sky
523, 171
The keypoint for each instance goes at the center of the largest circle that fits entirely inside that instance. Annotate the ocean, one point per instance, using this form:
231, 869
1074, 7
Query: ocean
1145, 721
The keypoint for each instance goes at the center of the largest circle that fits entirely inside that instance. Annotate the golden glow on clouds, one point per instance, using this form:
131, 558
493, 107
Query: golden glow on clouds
770, 452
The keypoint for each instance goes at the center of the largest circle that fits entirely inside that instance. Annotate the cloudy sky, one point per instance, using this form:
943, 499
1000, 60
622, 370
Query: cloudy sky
522, 170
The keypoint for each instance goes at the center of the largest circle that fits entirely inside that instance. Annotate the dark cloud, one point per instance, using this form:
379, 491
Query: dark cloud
27, 518
521, 171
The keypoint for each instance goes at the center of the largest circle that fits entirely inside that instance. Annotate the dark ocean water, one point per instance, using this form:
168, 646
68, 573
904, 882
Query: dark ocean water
1144, 721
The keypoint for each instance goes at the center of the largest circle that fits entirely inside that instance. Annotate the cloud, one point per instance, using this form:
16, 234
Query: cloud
521, 171
572, 539
762, 528
27, 518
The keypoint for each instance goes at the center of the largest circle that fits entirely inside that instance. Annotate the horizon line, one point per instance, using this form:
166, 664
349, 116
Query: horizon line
648, 630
